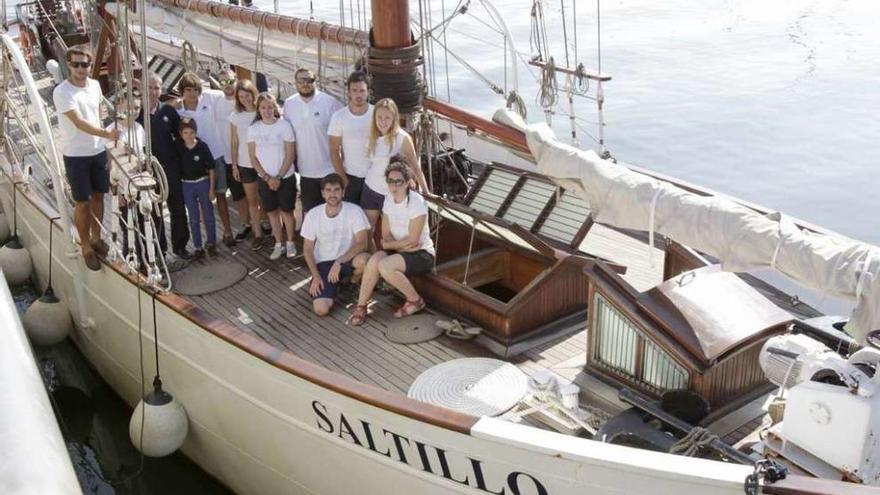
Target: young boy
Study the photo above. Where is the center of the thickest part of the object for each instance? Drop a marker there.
(197, 176)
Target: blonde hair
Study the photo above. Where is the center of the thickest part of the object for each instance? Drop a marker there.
(387, 104)
(245, 85)
(265, 96)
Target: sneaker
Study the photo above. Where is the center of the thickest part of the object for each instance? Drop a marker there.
(291, 250)
(258, 242)
(229, 240)
(198, 254)
(212, 249)
(277, 251)
(183, 254)
(243, 233)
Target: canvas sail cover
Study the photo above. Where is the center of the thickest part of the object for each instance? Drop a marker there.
(271, 50)
(741, 238)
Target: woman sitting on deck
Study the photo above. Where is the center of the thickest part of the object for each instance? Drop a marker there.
(407, 249)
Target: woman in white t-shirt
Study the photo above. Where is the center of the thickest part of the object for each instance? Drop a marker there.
(407, 249)
(386, 139)
(271, 149)
(240, 121)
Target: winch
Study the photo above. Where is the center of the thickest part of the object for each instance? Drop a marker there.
(831, 408)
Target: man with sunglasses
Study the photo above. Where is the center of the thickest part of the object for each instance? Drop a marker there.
(78, 103)
(309, 112)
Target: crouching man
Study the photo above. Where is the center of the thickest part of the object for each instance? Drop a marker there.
(334, 243)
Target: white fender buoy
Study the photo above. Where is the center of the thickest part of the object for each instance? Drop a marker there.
(47, 321)
(165, 424)
(15, 262)
(4, 228)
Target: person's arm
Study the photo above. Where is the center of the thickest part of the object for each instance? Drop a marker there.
(316, 285)
(360, 245)
(209, 164)
(387, 239)
(413, 239)
(233, 145)
(289, 154)
(337, 159)
(252, 151)
(409, 152)
(84, 126)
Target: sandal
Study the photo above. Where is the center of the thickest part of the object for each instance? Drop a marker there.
(357, 316)
(410, 308)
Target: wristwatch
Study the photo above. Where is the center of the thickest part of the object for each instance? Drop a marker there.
(278, 177)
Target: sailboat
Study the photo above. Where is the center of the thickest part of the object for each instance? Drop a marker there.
(594, 368)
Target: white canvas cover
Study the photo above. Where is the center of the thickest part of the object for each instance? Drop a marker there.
(741, 238)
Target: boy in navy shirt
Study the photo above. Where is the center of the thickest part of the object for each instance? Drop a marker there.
(197, 178)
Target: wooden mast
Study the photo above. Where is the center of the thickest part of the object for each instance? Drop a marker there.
(395, 59)
(391, 28)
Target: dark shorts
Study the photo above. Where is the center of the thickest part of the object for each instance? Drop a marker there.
(416, 262)
(371, 200)
(354, 189)
(87, 175)
(329, 290)
(247, 175)
(310, 193)
(284, 198)
(235, 187)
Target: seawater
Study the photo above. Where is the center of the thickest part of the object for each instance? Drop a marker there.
(94, 422)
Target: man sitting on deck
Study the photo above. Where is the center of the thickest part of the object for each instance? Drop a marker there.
(334, 243)
(78, 102)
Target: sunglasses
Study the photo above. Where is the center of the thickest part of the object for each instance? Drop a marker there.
(306, 80)
(395, 182)
(226, 82)
(80, 65)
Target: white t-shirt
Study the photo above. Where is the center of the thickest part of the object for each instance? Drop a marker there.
(87, 103)
(270, 139)
(205, 120)
(333, 236)
(222, 110)
(133, 136)
(379, 162)
(354, 131)
(399, 215)
(242, 122)
(310, 121)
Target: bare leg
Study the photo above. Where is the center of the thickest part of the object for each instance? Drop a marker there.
(83, 219)
(391, 268)
(275, 221)
(322, 306)
(96, 204)
(252, 199)
(289, 224)
(223, 210)
(373, 217)
(244, 217)
(370, 277)
(359, 263)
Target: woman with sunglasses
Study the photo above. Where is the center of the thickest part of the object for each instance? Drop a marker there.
(386, 139)
(407, 248)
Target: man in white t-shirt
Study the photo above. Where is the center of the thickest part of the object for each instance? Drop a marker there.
(222, 109)
(309, 113)
(334, 243)
(349, 132)
(78, 103)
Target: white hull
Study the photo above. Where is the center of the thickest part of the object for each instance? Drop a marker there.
(288, 426)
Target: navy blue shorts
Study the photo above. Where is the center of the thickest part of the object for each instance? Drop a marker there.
(371, 200)
(329, 291)
(283, 198)
(235, 186)
(87, 175)
(354, 189)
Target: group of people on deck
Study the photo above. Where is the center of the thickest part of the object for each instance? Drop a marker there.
(350, 165)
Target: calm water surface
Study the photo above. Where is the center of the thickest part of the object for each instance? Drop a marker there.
(773, 102)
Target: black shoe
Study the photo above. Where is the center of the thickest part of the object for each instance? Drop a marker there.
(211, 249)
(266, 228)
(257, 243)
(198, 254)
(229, 241)
(183, 254)
(244, 234)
